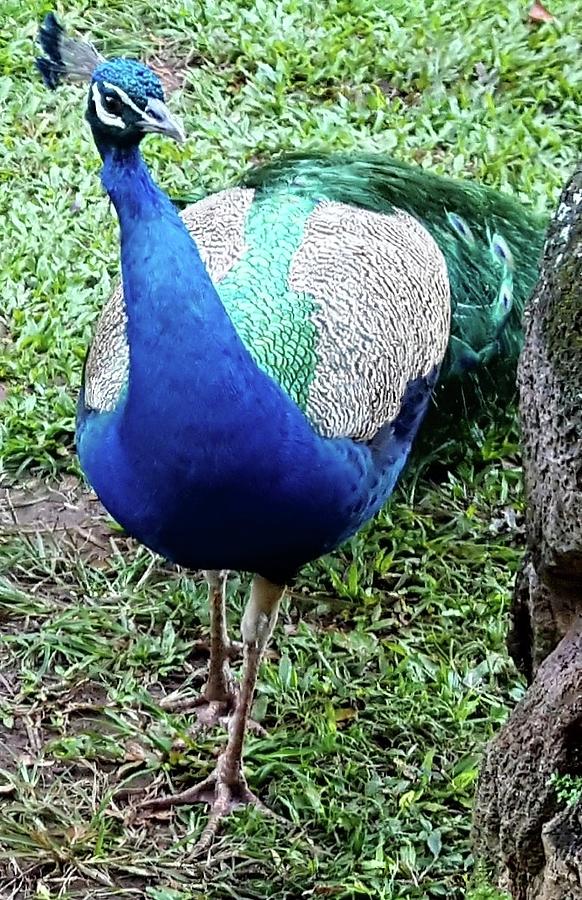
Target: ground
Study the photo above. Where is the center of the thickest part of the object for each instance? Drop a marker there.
(389, 670)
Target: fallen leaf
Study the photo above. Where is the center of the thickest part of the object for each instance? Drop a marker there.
(538, 13)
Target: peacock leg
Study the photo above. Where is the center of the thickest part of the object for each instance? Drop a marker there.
(218, 697)
(226, 787)
(218, 687)
(219, 646)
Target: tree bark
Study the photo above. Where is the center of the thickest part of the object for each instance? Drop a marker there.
(531, 837)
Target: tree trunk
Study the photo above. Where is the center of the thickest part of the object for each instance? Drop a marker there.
(533, 839)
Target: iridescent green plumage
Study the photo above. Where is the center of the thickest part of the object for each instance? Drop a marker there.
(273, 320)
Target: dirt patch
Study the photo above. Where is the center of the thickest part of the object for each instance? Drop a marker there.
(65, 514)
(14, 747)
(173, 68)
(22, 739)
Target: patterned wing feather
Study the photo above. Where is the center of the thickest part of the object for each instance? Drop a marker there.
(382, 313)
(491, 244)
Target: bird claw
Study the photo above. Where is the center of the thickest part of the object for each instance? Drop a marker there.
(223, 796)
(210, 713)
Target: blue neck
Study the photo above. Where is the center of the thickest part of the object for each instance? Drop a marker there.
(127, 180)
(184, 350)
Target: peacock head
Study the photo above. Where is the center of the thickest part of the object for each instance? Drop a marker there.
(126, 98)
(126, 101)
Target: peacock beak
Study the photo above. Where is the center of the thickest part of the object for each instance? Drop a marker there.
(158, 119)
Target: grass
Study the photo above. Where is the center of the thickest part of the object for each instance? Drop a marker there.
(390, 671)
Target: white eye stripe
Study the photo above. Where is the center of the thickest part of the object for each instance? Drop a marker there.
(102, 114)
(128, 101)
(123, 97)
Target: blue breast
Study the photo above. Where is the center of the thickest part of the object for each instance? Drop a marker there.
(266, 500)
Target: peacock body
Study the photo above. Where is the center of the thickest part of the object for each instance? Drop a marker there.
(311, 452)
(348, 281)
(254, 389)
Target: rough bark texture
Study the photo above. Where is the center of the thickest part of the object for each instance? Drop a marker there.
(520, 826)
(550, 379)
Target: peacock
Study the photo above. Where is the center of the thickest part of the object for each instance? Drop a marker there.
(255, 387)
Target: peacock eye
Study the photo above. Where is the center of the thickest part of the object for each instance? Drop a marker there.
(112, 104)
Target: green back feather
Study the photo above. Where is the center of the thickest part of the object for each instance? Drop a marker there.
(492, 246)
(274, 322)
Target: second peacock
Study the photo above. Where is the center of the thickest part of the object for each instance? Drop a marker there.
(255, 387)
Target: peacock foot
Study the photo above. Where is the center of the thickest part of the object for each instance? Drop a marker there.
(224, 790)
(208, 713)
